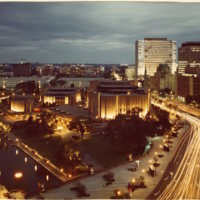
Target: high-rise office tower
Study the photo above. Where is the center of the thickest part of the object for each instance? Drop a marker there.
(188, 53)
(151, 52)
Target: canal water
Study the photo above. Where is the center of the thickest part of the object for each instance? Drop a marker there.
(12, 161)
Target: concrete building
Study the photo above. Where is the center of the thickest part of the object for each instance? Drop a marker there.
(188, 53)
(151, 52)
(21, 103)
(23, 69)
(110, 98)
(61, 96)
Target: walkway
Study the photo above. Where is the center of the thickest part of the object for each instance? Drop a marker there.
(63, 177)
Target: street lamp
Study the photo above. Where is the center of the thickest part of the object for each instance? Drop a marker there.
(61, 170)
(143, 171)
(133, 180)
(35, 167)
(69, 175)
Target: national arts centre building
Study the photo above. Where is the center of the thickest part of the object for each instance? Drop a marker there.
(106, 99)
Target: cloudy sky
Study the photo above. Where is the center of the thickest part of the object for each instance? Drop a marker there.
(90, 32)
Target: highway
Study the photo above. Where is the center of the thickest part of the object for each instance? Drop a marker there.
(182, 177)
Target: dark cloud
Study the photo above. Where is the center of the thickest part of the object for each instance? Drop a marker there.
(90, 32)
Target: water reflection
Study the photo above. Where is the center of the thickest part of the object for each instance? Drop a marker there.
(34, 177)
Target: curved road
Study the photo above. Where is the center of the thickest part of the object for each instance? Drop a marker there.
(182, 177)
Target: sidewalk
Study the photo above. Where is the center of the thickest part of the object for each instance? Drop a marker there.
(95, 184)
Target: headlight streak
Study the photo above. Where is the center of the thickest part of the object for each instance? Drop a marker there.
(186, 182)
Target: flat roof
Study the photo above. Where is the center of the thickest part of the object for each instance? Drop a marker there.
(191, 43)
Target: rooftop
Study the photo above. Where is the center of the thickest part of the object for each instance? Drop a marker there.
(191, 43)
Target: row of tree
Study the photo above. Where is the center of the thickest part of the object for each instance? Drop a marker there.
(44, 124)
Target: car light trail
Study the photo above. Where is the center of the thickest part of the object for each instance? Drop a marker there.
(185, 182)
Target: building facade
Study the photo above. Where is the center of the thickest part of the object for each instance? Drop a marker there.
(23, 69)
(110, 98)
(21, 103)
(188, 53)
(188, 83)
(163, 79)
(61, 96)
(151, 52)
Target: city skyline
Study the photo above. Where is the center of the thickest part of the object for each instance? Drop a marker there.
(99, 33)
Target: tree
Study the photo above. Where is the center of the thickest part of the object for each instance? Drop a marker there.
(4, 127)
(44, 125)
(53, 82)
(128, 130)
(81, 125)
(72, 85)
(68, 155)
(28, 87)
(162, 119)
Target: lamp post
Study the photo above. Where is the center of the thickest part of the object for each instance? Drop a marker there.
(143, 172)
(161, 147)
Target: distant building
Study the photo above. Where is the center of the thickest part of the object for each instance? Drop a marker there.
(22, 103)
(10, 83)
(47, 70)
(130, 73)
(23, 69)
(188, 53)
(79, 82)
(151, 52)
(110, 98)
(163, 79)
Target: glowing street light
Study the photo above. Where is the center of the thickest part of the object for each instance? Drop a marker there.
(118, 193)
(17, 152)
(35, 167)
(61, 170)
(25, 159)
(47, 177)
(143, 171)
(133, 180)
(69, 175)
(18, 175)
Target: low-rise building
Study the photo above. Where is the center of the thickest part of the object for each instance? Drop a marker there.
(22, 103)
(110, 98)
(61, 96)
